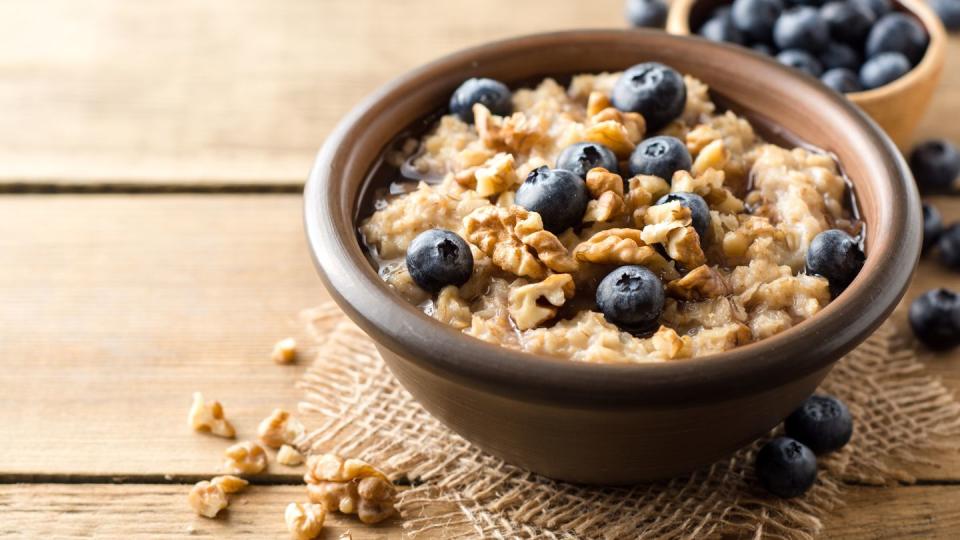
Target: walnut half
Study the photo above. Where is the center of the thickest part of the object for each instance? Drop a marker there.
(515, 241)
(208, 417)
(624, 246)
(532, 304)
(350, 486)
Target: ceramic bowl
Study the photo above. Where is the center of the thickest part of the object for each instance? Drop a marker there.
(612, 424)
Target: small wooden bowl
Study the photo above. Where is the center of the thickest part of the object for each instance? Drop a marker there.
(899, 106)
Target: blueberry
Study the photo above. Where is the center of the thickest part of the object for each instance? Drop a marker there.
(801, 28)
(660, 156)
(646, 13)
(835, 255)
(848, 22)
(763, 48)
(755, 18)
(897, 33)
(932, 225)
(494, 95)
(838, 55)
(653, 90)
(823, 423)
(699, 211)
(437, 258)
(948, 11)
(841, 80)
(720, 28)
(559, 196)
(631, 297)
(786, 467)
(814, 3)
(949, 246)
(883, 69)
(935, 319)
(801, 60)
(579, 158)
(878, 7)
(935, 164)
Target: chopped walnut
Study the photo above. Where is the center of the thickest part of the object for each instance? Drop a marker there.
(279, 428)
(607, 190)
(600, 180)
(245, 458)
(497, 175)
(670, 344)
(350, 486)
(304, 521)
(709, 185)
(670, 225)
(285, 351)
(713, 156)
(624, 246)
(450, 309)
(289, 456)
(632, 122)
(515, 241)
(700, 283)
(229, 483)
(208, 417)
(596, 102)
(644, 191)
(207, 499)
(535, 303)
(517, 132)
(611, 134)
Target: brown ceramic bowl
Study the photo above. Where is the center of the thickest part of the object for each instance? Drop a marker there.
(613, 424)
(899, 106)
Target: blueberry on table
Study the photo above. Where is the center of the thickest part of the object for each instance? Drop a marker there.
(935, 164)
(835, 255)
(822, 423)
(654, 90)
(559, 196)
(801, 60)
(631, 297)
(932, 225)
(948, 11)
(878, 7)
(755, 18)
(848, 22)
(437, 258)
(579, 158)
(949, 246)
(841, 80)
(492, 94)
(646, 13)
(786, 468)
(935, 319)
(897, 33)
(839, 55)
(720, 28)
(660, 156)
(883, 69)
(699, 210)
(801, 28)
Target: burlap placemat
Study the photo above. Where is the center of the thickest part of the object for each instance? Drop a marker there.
(360, 410)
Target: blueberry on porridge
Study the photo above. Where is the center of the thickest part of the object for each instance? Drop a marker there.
(510, 220)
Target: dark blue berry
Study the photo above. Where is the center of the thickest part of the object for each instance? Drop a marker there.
(631, 297)
(660, 156)
(935, 165)
(494, 95)
(848, 22)
(838, 55)
(949, 246)
(559, 196)
(935, 319)
(579, 158)
(720, 28)
(795, 3)
(437, 258)
(841, 80)
(823, 423)
(654, 90)
(932, 225)
(763, 48)
(883, 69)
(801, 28)
(801, 60)
(897, 33)
(646, 13)
(948, 11)
(755, 18)
(699, 210)
(786, 468)
(835, 255)
(879, 8)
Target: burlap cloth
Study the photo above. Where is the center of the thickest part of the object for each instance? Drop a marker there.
(358, 409)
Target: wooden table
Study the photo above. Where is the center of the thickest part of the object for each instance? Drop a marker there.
(150, 244)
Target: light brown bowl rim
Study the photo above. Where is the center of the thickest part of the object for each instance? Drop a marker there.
(409, 333)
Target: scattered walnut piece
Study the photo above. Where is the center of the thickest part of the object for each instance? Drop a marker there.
(517, 133)
(279, 428)
(670, 344)
(607, 190)
(597, 102)
(207, 499)
(632, 122)
(670, 225)
(713, 156)
(709, 185)
(229, 483)
(285, 351)
(498, 174)
(526, 307)
(450, 309)
(350, 486)
(289, 456)
(304, 521)
(208, 417)
(600, 180)
(245, 458)
(624, 246)
(515, 241)
(700, 283)
(611, 134)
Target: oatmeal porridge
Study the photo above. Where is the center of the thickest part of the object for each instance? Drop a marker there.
(620, 219)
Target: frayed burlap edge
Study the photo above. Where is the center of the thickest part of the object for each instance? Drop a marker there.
(358, 409)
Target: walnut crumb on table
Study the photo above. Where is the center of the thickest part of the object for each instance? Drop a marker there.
(284, 351)
(208, 417)
(289, 456)
(245, 458)
(350, 486)
(279, 428)
(304, 521)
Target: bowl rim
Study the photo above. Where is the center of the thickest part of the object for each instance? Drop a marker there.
(405, 331)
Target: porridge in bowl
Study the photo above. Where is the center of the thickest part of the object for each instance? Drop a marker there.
(620, 219)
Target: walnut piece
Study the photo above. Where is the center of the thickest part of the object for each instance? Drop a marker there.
(229, 483)
(517, 133)
(450, 309)
(670, 225)
(279, 428)
(289, 456)
(607, 190)
(497, 175)
(245, 458)
(700, 283)
(285, 351)
(611, 134)
(624, 246)
(207, 417)
(350, 486)
(304, 521)
(207, 499)
(535, 303)
(515, 241)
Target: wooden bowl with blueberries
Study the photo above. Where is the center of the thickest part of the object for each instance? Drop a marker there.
(885, 56)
